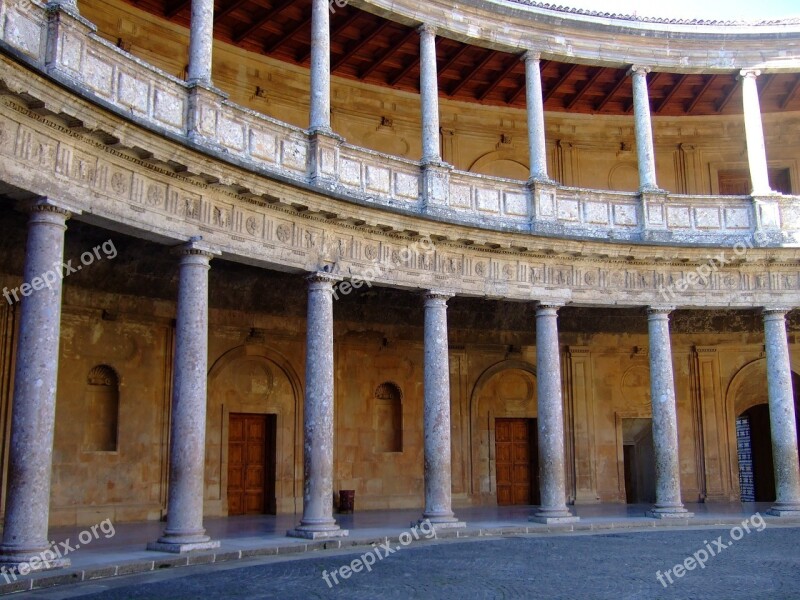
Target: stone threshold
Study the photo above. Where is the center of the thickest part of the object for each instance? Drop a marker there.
(159, 562)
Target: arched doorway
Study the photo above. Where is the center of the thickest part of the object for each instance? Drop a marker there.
(505, 463)
(753, 432)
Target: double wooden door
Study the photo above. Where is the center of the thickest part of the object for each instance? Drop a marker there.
(251, 464)
(517, 461)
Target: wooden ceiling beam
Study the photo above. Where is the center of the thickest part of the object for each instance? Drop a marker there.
(357, 46)
(173, 8)
(393, 47)
(620, 82)
(228, 9)
(456, 55)
(727, 97)
(709, 82)
(561, 80)
(792, 93)
(589, 83)
(288, 35)
(515, 60)
(412, 64)
(256, 24)
(474, 71)
(675, 87)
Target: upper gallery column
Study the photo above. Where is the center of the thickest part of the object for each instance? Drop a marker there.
(438, 473)
(187, 443)
(644, 129)
(320, 111)
(665, 421)
(550, 419)
(782, 415)
(754, 132)
(317, 520)
(34, 401)
(201, 41)
(535, 103)
(429, 95)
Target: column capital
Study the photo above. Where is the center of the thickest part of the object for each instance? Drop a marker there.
(531, 55)
(749, 74)
(659, 310)
(426, 28)
(775, 312)
(197, 247)
(436, 296)
(321, 280)
(48, 205)
(549, 306)
(639, 70)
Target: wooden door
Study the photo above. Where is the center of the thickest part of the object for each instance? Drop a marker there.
(251, 464)
(516, 461)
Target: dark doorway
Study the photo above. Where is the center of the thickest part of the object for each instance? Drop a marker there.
(736, 182)
(517, 461)
(639, 461)
(251, 464)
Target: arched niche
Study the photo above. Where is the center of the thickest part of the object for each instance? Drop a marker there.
(388, 418)
(501, 163)
(101, 421)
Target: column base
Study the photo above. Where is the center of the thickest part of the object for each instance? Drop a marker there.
(452, 523)
(27, 563)
(311, 532)
(669, 512)
(181, 547)
(553, 517)
(788, 509)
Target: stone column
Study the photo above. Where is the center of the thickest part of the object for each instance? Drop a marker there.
(550, 420)
(665, 421)
(320, 117)
(33, 410)
(644, 129)
(318, 521)
(782, 415)
(187, 443)
(201, 41)
(438, 469)
(535, 102)
(429, 95)
(754, 132)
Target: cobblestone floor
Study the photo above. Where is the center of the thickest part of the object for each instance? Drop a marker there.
(762, 564)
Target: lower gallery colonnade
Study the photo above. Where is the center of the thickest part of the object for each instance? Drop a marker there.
(34, 399)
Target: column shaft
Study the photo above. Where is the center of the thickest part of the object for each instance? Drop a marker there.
(429, 96)
(320, 113)
(550, 420)
(754, 132)
(535, 101)
(782, 416)
(201, 41)
(644, 129)
(438, 468)
(665, 422)
(187, 446)
(34, 401)
(318, 521)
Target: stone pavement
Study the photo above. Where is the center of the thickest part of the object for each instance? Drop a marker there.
(501, 555)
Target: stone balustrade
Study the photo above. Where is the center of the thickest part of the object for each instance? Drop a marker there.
(95, 69)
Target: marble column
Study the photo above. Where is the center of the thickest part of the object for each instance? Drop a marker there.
(550, 420)
(33, 409)
(782, 415)
(645, 153)
(320, 117)
(535, 102)
(201, 41)
(317, 521)
(438, 468)
(665, 421)
(187, 444)
(429, 95)
(754, 133)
